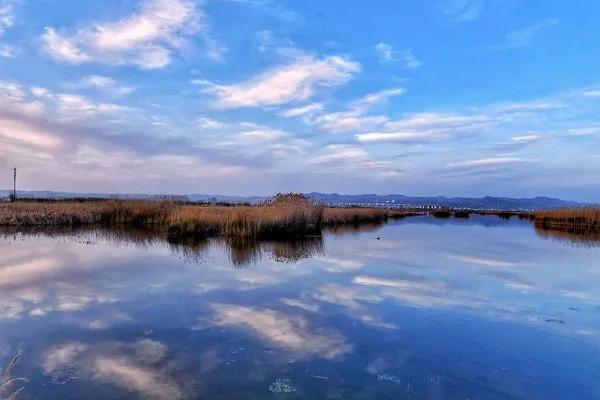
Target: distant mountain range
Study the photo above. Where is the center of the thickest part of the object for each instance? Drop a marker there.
(488, 202)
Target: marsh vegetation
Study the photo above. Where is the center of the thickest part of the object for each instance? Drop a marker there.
(284, 215)
(574, 220)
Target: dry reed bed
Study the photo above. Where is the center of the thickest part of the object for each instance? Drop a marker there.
(577, 220)
(288, 214)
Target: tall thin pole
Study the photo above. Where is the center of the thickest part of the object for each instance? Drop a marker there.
(15, 185)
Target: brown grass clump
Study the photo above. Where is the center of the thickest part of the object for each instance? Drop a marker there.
(84, 213)
(336, 216)
(286, 214)
(575, 220)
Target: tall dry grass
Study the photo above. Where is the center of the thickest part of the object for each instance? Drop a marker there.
(288, 214)
(284, 215)
(576, 220)
(84, 213)
(9, 385)
(334, 216)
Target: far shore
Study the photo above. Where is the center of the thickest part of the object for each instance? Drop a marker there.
(286, 215)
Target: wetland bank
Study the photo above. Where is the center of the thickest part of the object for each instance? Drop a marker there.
(420, 307)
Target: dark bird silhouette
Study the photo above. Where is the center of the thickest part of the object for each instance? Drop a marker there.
(378, 238)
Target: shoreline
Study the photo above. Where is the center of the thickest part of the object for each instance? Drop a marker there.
(287, 215)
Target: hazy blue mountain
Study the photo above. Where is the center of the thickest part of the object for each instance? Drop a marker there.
(488, 202)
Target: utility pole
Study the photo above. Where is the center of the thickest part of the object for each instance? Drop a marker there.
(15, 185)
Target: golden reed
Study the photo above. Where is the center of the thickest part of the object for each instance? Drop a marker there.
(286, 214)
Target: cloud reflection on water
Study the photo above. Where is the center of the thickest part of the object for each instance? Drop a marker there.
(340, 299)
(292, 333)
(137, 367)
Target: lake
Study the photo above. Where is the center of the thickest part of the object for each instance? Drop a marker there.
(423, 308)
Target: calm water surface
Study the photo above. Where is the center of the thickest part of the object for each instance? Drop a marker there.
(437, 309)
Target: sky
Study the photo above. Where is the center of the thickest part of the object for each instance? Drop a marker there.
(254, 97)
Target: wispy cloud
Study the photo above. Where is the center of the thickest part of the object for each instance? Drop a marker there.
(592, 93)
(293, 334)
(138, 367)
(145, 39)
(483, 261)
(424, 127)
(308, 109)
(461, 11)
(7, 15)
(487, 162)
(295, 81)
(273, 7)
(524, 37)
(387, 54)
(7, 20)
(354, 117)
(340, 158)
(102, 83)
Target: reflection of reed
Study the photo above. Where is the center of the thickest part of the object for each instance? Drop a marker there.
(570, 237)
(243, 252)
(295, 250)
(190, 249)
(139, 237)
(354, 228)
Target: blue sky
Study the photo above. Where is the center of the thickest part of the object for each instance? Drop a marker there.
(455, 97)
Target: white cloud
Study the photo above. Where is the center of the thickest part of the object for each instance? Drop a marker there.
(426, 127)
(347, 121)
(524, 37)
(285, 331)
(410, 61)
(215, 50)
(591, 93)
(526, 138)
(367, 102)
(145, 39)
(7, 15)
(269, 41)
(491, 162)
(62, 48)
(212, 124)
(260, 135)
(14, 100)
(400, 136)
(295, 81)
(355, 117)
(463, 10)
(131, 366)
(341, 158)
(400, 284)
(484, 261)
(7, 51)
(102, 83)
(240, 133)
(75, 107)
(7, 20)
(308, 109)
(387, 54)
